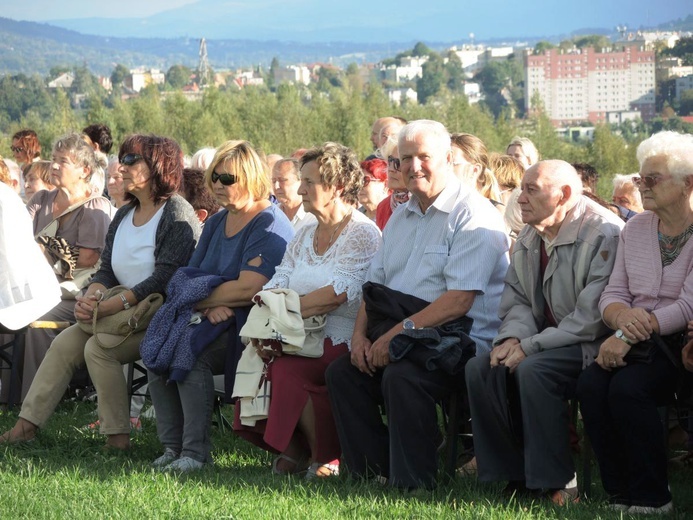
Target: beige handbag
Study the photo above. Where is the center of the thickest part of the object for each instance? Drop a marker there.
(124, 323)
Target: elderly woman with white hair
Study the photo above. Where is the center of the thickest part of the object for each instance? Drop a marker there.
(648, 303)
(626, 194)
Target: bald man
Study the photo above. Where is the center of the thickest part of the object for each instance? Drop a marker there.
(551, 330)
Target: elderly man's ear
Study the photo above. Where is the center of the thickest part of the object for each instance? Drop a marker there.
(566, 193)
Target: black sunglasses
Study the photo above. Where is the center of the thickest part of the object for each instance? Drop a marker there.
(394, 163)
(17, 149)
(130, 159)
(226, 179)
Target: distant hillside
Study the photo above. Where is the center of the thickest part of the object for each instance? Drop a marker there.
(29, 47)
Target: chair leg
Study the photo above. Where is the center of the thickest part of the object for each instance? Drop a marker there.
(15, 391)
(452, 432)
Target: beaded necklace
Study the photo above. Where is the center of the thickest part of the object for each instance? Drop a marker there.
(670, 247)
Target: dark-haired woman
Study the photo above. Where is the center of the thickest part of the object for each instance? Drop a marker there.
(149, 238)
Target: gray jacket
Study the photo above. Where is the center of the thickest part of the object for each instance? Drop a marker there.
(176, 236)
(577, 272)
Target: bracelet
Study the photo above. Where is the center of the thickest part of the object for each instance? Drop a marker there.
(126, 304)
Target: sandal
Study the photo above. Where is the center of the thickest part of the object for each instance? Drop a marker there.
(683, 461)
(299, 465)
(317, 470)
(468, 469)
(20, 433)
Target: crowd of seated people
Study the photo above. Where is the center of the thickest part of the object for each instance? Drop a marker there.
(432, 267)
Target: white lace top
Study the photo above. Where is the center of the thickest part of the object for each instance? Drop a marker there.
(343, 266)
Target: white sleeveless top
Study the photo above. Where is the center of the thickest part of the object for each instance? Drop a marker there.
(132, 256)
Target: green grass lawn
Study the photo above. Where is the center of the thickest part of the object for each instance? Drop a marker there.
(65, 474)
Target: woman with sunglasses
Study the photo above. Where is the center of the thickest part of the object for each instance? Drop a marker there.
(375, 188)
(395, 183)
(149, 238)
(26, 147)
(326, 264)
(650, 292)
(238, 251)
(73, 220)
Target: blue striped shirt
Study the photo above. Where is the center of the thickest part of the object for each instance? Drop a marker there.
(459, 243)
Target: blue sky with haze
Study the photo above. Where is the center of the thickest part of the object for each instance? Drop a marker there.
(357, 20)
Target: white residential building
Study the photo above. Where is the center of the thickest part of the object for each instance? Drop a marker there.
(292, 74)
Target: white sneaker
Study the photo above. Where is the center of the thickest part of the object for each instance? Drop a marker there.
(649, 510)
(166, 459)
(184, 465)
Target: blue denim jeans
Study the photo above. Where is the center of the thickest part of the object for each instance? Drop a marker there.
(184, 409)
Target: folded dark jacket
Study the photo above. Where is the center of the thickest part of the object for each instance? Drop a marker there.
(386, 307)
(447, 347)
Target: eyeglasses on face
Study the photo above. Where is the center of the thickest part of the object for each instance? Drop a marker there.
(17, 149)
(130, 159)
(649, 181)
(367, 179)
(226, 179)
(393, 162)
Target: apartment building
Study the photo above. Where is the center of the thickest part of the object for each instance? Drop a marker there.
(585, 85)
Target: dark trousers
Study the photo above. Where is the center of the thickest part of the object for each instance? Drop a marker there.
(619, 409)
(405, 451)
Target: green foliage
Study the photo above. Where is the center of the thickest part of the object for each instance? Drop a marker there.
(686, 103)
(683, 49)
(543, 46)
(120, 72)
(432, 80)
(178, 76)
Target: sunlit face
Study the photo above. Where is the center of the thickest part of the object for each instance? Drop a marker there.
(539, 199)
(515, 151)
(234, 197)
(19, 152)
(626, 197)
(667, 190)
(285, 184)
(316, 197)
(425, 165)
(373, 192)
(375, 133)
(65, 173)
(136, 177)
(394, 176)
(115, 183)
(33, 183)
(466, 172)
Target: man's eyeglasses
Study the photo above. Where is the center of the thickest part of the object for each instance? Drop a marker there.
(393, 162)
(648, 181)
(226, 179)
(17, 149)
(130, 159)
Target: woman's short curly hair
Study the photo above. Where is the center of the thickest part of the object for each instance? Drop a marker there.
(163, 157)
(339, 168)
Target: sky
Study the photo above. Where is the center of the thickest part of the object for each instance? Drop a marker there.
(348, 20)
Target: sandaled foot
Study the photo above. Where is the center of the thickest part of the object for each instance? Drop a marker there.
(285, 465)
(468, 469)
(119, 441)
(23, 431)
(683, 461)
(317, 470)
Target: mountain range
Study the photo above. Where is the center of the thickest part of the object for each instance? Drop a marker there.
(30, 47)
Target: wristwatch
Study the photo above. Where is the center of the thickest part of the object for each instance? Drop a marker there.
(408, 324)
(126, 304)
(619, 335)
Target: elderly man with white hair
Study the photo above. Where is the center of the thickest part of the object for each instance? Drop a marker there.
(551, 329)
(442, 263)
